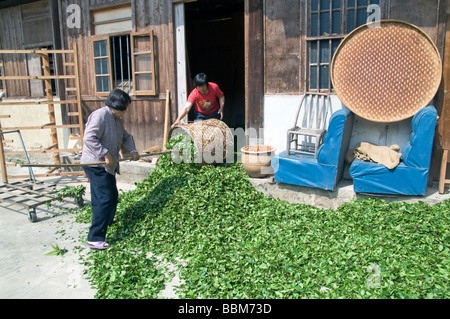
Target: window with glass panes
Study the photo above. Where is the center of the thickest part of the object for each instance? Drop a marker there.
(329, 21)
(122, 59)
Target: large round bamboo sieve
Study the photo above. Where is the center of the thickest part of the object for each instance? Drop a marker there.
(386, 72)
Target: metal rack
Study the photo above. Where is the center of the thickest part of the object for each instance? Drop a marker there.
(27, 193)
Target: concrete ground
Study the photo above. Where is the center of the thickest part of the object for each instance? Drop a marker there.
(26, 272)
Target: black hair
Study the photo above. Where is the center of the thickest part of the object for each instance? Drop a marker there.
(118, 100)
(200, 79)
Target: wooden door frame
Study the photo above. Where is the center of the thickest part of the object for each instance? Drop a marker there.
(254, 60)
(254, 63)
(443, 139)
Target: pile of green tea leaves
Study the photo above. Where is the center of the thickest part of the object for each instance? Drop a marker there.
(237, 243)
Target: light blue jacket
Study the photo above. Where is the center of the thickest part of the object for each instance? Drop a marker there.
(105, 134)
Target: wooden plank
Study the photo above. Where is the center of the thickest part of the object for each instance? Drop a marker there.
(166, 119)
(12, 38)
(442, 177)
(34, 67)
(6, 196)
(36, 77)
(37, 102)
(443, 130)
(36, 24)
(78, 92)
(180, 58)
(48, 175)
(444, 120)
(2, 159)
(254, 63)
(35, 192)
(282, 47)
(67, 150)
(40, 127)
(51, 108)
(34, 51)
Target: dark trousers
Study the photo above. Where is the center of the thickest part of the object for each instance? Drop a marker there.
(104, 197)
(201, 117)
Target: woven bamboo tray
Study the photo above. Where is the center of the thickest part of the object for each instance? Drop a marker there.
(386, 73)
(209, 136)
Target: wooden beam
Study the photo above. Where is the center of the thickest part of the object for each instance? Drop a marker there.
(78, 92)
(34, 51)
(2, 160)
(46, 126)
(68, 150)
(254, 63)
(180, 58)
(36, 77)
(37, 102)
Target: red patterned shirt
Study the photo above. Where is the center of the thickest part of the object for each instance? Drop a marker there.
(206, 104)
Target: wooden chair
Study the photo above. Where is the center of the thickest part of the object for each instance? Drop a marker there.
(309, 127)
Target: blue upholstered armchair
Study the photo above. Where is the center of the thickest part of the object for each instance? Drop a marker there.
(410, 176)
(325, 171)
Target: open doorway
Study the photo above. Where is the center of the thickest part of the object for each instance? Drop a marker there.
(215, 45)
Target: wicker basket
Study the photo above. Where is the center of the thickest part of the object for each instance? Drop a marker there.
(213, 140)
(386, 73)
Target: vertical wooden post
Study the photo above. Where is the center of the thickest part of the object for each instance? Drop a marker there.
(51, 107)
(77, 86)
(2, 158)
(166, 119)
(254, 64)
(442, 177)
(444, 116)
(180, 42)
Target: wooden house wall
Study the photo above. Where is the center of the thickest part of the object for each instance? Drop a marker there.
(11, 38)
(285, 44)
(282, 45)
(283, 49)
(145, 116)
(29, 26)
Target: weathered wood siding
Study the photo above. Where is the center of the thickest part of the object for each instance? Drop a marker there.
(145, 116)
(283, 47)
(11, 38)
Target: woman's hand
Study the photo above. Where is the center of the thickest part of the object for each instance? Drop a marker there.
(135, 156)
(109, 160)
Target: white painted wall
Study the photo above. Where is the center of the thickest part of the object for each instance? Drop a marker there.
(32, 115)
(280, 112)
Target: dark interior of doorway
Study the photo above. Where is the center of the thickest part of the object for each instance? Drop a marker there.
(215, 45)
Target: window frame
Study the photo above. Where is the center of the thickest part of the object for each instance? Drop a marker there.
(93, 11)
(330, 37)
(135, 72)
(94, 58)
(132, 55)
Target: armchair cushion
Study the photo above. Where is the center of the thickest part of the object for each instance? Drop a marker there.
(410, 176)
(325, 171)
(417, 152)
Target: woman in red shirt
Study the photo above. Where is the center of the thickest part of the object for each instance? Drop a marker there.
(207, 98)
